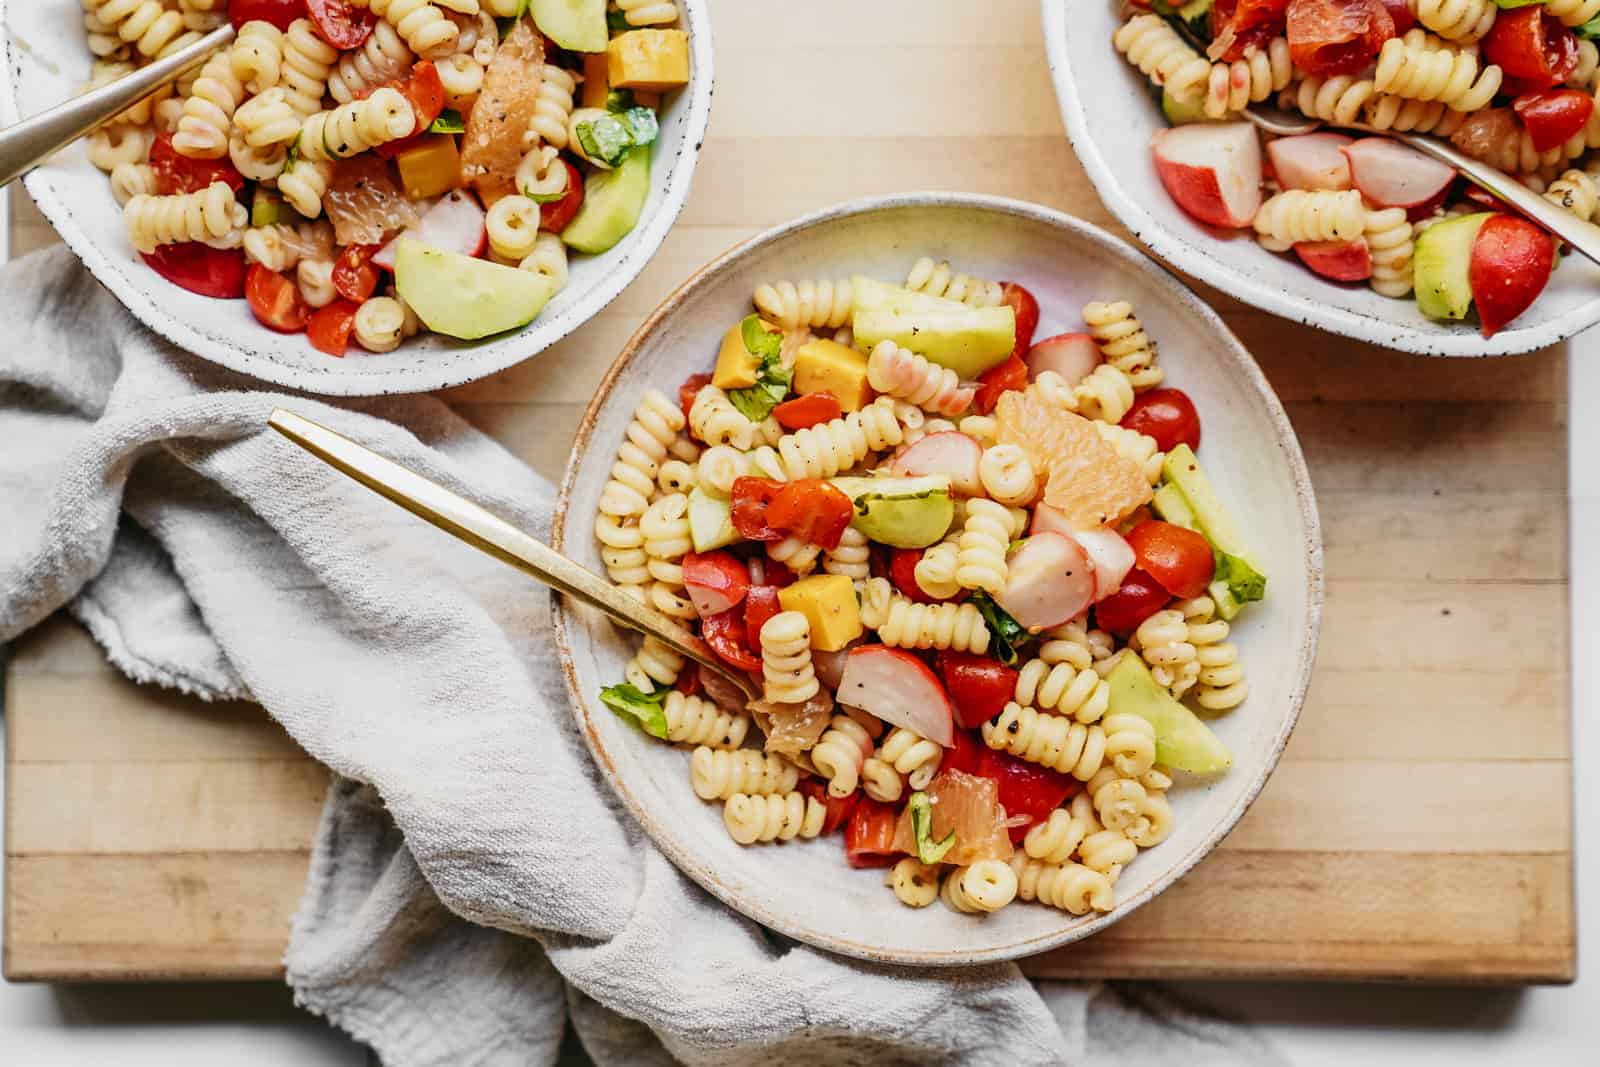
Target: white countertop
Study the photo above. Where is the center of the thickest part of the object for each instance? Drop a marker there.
(257, 1025)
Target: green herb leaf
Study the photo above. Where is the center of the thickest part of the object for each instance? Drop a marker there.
(294, 154)
(1589, 30)
(928, 850)
(647, 710)
(1243, 581)
(642, 125)
(448, 122)
(1007, 632)
(619, 100)
(772, 379)
(1511, 5)
(617, 21)
(758, 340)
(605, 139)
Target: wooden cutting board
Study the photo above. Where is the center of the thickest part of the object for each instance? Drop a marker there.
(1420, 825)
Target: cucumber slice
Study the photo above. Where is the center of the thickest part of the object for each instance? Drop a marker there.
(266, 208)
(612, 203)
(900, 512)
(1440, 263)
(576, 25)
(463, 297)
(1182, 739)
(967, 340)
(710, 521)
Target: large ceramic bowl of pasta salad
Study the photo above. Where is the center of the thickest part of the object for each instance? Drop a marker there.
(1349, 232)
(1031, 602)
(359, 197)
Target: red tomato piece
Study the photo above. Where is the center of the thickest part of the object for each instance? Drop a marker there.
(1168, 415)
(1007, 377)
(725, 634)
(1551, 117)
(276, 300)
(903, 573)
(1179, 559)
(1531, 47)
(555, 215)
(354, 276)
(869, 838)
(751, 499)
(1027, 311)
(760, 604)
(281, 13)
(690, 389)
(808, 410)
(688, 682)
(811, 510)
(1400, 11)
(426, 93)
(199, 268)
(177, 173)
(778, 575)
(965, 755)
(839, 809)
(979, 687)
(1246, 23)
(1511, 263)
(329, 328)
(1025, 788)
(1333, 37)
(340, 24)
(715, 581)
(1139, 597)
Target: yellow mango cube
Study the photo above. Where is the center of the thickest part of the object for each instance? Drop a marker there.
(431, 168)
(652, 60)
(597, 84)
(828, 366)
(828, 601)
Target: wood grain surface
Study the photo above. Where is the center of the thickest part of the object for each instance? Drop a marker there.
(1420, 825)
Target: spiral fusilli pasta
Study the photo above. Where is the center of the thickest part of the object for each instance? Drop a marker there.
(955, 626)
(1339, 99)
(1466, 21)
(257, 55)
(825, 450)
(900, 373)
(1068, 887)
(280, 247)
(665, 526)
(512, 225)
(877, 601)
(622, 552)
(1078, 692)
(1135, 447)
(211, 215)
(1571, 12)
(1576, 191)
(655, 425)
(1259, 73)
(764, 818)
(696, 721)
(985, 539)
(129, 180)
(307, 65)
(379, 324)
(384, 57)
(915, 884)
(1122, 340)
(654, 664)
(145, 24)
(1162, 641)
(1157, 50)
(208, 110)
(111, 147)
(937, 279)
(1411, 67)
(852, 557)
(1221, 680)
(786, 659)
(808, 303)
(912, 755)
(355, 127)
(985, 886)
(552, 108)
(549, 260)
(935, 572)
(1386, 112)
(1105, 394)
(840, 753)
(718, 773)
(1297, 215)
(648, 12)
(1049, 740)
(714, 420)
(1008, 476)
(424, 27)
(1389, 241)
(1056, 838)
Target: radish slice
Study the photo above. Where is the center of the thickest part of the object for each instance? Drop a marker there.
(1111, 557)
(1392, 175)
(1212, 170)
(715, 581)
(947, 452)
(1311, 161)
(1049, 580)
(898, 688)
(1047, 519)
(1343, 261)
(1074, 356)
(453, 224)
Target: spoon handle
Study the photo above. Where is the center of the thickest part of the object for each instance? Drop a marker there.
(30, 142)
(487, 532)
(1582, 236)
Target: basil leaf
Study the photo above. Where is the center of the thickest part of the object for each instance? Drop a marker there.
(605, 139)
(772, 379)
(448, 122)
(642, 125)
(1007, 632)
(758, 340)
(647, 710)
(1589, 30)
(617, 21)
(619, 100)
(1245, 582)
(294, 154)
(928, 850)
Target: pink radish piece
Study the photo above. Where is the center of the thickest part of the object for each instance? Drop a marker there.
(947, 452)
(1343, 261)
(1074, 356)
(1311, 161)
(1049, 580)
(1212, 170)
(1047, 519)
(898, 688)
(715, 581)
(1392, 175)
(1111, 557)
(453, 224)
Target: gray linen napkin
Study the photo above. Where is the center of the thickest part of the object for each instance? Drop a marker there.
(473, 886)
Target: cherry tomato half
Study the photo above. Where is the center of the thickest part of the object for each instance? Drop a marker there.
(1551, 117)
(690, 389)
(903, 573)
(276, 300)
(725, 634)
(177, 173)
(341, 24)
(1179, 560)
(965, 753)
(426, 93)
(281, 13)
(979, 687)
(1025, 788)
(1027, 309)
(869, 838)
(1328, 38)
(557, 214)
(1532, 47)
(760, 604)
(1168, 415)
(751, 498)
(199, 268)
(354, 276)
(839, 809)
(808, 410)
(688, 682)
(1139, 597)
(1008, 376)
(812, 510)
(329, 328)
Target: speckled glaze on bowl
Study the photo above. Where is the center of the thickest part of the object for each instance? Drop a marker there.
(1111, 114)
(806, 890)
(47, 61)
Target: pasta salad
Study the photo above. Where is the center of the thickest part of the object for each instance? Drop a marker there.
(984, 584)
(1510, 82)
(365, 169)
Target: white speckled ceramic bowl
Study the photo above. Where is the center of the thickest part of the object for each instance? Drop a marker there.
(1110, 116)
(805, 889)
(47, 61)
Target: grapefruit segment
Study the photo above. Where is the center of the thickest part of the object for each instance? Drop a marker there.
(1089, 484)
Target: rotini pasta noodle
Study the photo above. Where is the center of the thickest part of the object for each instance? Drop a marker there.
(1078, 692)
(113, 146)
(552, 109)
(1049, 740)
(1157, 50)
(257, 55)
(208, 110)
(303, 184)
(912, 755)
(549, 259)
(935, 572)
(880, 781)
(937, 279)
(1135, 447)
(315, 280)
(656, 422)
(129, 180)
(904, 375)
(1389, 241)
(622, 552)
(665, 525)
(145, 24)
(379, 324)
(981, 428)
(461, 76)
(1571, 12)
(1008, 476)
(714, 420)
(1130, 746)
(1162, 641)
(851, 558)
(696, 721)
(825, 450)
(954, 626)
(750, 819)
(1074, 643)
(648, 12)
(1338, 99)
(1117, 800)
(915, 884)
(676, 476)
(267, 120)
(1105, 394)
(1259, 73)
(878, 600)
(1466, 21)
(1107, 851)
(355, 127)
(718, 773)
(985, 886)
(211, 215)
(786, 661)
(1221, 681)
(1297, 215)
(384, 57)
(841, 751)
(1057, 838)
(1576, 191)
(722, 465)
(1068, 887)
(102, 35)
(512, 225)
(424, 27)
(809, 303)
(280, 247)
(985, 538)
(103, 72)
(1122, 340)
(1411, 68)
(654, 664)
(1385, 112)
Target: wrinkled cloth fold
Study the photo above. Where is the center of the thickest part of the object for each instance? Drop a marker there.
(474, 886)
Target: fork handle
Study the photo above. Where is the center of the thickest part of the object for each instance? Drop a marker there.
(32, 141)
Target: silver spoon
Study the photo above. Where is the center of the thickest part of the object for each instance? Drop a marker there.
(30, 142)
(1582, 236)
(487, 532)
